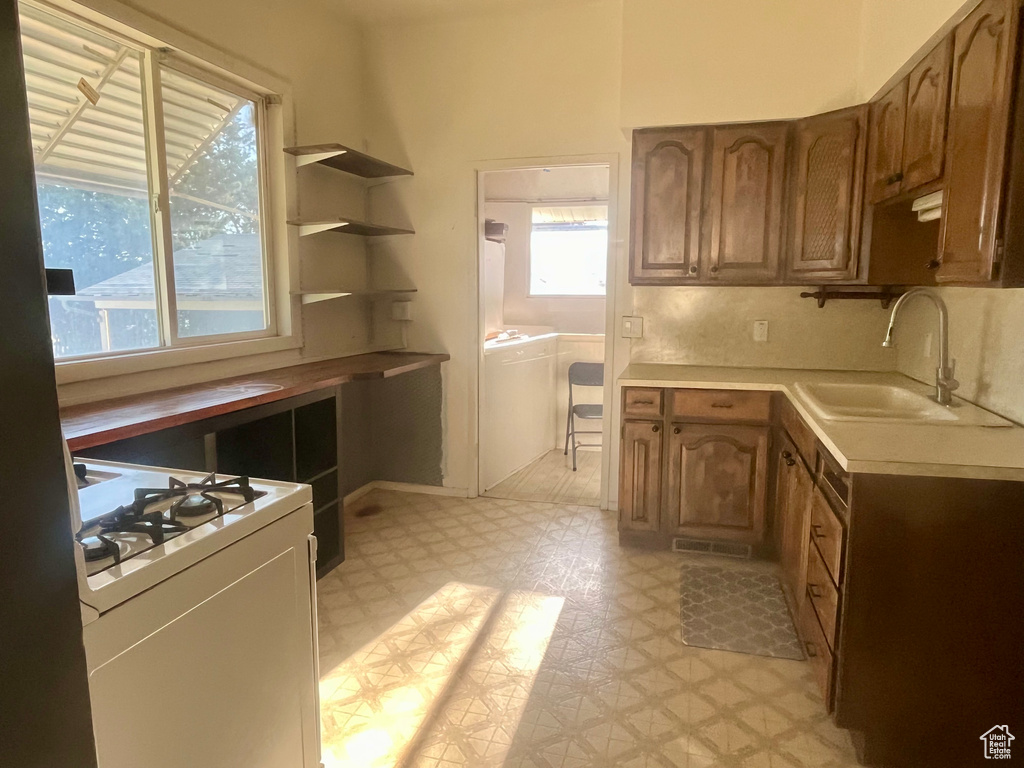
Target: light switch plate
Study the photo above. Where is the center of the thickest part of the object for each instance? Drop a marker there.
(632, 327)
(760, 330)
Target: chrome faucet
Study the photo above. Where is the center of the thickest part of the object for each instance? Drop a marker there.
(944, 381)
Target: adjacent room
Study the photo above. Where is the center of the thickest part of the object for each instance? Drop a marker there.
(511, 383)
(544, 275)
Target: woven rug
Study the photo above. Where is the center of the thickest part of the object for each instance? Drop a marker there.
(736, 608)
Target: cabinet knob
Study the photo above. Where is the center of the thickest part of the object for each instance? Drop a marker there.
(714, 268)
(693, 269)
(812, 652)
(813, 590)
(816, 532)
(655, 428)
(676, 430)
(896, 178)
(933, 264)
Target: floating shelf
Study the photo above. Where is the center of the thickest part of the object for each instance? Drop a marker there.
(312, 297)
(345, 159)
(347, 227)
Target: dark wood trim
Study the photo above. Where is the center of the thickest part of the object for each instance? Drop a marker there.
(108, 421)
(44, 690)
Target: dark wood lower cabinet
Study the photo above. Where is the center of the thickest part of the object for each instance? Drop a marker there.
(907, 592)
(716, 481)
(640, 477)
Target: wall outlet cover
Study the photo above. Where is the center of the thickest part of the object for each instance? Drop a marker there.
(632, 327)
(760, 330)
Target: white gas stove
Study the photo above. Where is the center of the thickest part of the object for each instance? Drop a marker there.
(170, 562)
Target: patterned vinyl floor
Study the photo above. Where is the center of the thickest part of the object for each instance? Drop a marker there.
(491, 632)
(550, 478)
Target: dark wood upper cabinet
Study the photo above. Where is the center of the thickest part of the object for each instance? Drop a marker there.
(716, 481)
(668, 191)
(640, 476)
(976, 154)
(828, 196)
(924, 142)
(887, 120)
(748, 166)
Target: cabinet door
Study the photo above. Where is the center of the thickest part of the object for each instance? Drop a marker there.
(885, 150)
(795, 514)
(640, 476)
(977, 140)
(716, 481)
(668, 187)
(924, 143)
(748, 165)
(828, 197)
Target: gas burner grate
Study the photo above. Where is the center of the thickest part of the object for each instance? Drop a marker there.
(194, 499)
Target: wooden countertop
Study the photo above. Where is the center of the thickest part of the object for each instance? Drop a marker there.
(105, 421)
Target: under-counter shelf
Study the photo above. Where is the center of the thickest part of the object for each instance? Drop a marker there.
(312, 297)
(345, 159)
(347, 227)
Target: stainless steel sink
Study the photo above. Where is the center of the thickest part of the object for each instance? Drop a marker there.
(886, 402)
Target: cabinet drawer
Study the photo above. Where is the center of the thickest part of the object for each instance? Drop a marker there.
(817, 651)
(827, 534)
(800, 433)
(822, 594)
(642, 402)
(721, 405)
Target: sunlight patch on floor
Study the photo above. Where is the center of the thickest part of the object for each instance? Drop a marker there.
(382, 701)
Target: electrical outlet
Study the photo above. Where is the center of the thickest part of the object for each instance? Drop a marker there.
(632, 327)
(401, 310)
(760, 330)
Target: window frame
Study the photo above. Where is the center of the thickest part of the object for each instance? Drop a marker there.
(529, 262)
(162, 46)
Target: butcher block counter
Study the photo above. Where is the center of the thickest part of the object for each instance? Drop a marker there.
(107, 421)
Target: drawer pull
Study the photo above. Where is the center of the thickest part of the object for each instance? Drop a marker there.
(721, 405)
(813, 590)
(896, 178)
(643, 402)
(812, 652)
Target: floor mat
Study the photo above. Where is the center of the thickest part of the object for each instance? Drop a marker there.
(736, 608)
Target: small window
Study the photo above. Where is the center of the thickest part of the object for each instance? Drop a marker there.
(99, 152)
(569, 251)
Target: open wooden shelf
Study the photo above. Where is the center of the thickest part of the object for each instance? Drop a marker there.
(345, 159)
(347, 227)
(312, 297)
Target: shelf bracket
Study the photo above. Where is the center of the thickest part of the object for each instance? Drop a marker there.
(323, 226)
(301, 160)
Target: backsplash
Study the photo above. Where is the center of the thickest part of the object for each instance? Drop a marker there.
(986, 338)
(714, 326)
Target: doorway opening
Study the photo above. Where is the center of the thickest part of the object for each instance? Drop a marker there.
(543, 293)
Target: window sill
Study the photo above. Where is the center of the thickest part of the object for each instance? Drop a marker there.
(154, 359)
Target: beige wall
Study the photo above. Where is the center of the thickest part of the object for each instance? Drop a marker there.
(693, 61)
(455, 96)
(320, 55)
(714, 326)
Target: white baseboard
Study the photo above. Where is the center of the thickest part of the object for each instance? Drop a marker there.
(387, 485)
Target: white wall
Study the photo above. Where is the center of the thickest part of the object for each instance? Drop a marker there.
(694, 61)
(454, 96)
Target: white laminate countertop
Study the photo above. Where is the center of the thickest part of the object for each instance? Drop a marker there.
(891, 448)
